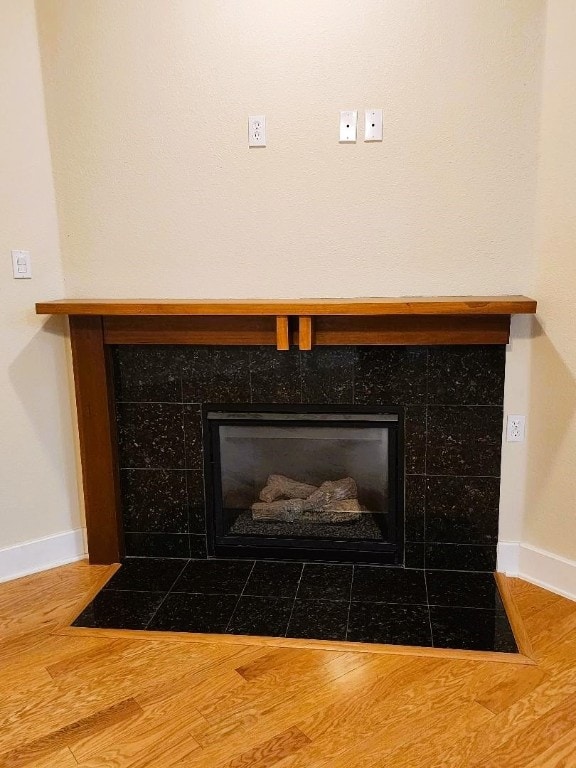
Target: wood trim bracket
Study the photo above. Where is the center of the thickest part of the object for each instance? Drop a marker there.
(282, 333)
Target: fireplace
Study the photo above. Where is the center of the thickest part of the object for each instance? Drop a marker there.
(304, 482)
(144, 369)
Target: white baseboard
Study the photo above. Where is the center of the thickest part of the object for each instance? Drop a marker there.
(552, 572)
(41, 554)
(508, 561)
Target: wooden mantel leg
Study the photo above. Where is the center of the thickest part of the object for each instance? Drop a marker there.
(97, 430)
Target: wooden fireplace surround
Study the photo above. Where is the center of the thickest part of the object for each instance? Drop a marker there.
(95, 324)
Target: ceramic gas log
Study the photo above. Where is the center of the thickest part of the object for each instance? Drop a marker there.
(287, 500)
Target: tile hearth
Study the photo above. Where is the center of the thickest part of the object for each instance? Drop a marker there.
(364, 603)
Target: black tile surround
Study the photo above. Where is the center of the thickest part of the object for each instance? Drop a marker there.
(453, 398)
(371, 604)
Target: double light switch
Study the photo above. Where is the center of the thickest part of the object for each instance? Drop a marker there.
(21, 264)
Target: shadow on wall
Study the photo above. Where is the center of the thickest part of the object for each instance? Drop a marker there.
(551, 482)
(39, 378)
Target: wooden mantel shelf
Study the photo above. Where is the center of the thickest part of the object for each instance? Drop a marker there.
(425, 305)
(302, 322)
(96, 324)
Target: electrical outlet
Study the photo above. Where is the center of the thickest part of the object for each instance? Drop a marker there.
(257, 131)
(515, 429)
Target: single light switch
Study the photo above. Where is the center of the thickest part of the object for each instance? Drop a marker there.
(21, 264)
(348, 123)
(373, 125)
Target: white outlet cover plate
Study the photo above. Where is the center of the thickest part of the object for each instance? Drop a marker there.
(257, 131)
(373, 125)
(21, 265)
(515, 428)
(348, 124)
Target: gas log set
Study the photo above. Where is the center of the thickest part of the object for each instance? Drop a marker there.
(288, 500)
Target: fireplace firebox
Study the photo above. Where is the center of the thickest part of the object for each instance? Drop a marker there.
(299, 482)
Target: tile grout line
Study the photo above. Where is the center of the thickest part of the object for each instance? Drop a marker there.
(167, 594)
(294, 601)
(240, 597)
(185, 468)
(354, 366)
(350, 603)
(411, 404)
(408, 474)
(428, 607)
(250, 362)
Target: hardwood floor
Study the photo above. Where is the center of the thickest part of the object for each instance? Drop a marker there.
(88, 698)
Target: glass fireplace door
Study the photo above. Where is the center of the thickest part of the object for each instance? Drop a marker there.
(298, 480)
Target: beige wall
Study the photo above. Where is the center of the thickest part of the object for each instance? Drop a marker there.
(38, 494)
(159, 194)
(551, 510)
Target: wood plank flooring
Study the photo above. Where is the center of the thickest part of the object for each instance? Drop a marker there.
(95, 699)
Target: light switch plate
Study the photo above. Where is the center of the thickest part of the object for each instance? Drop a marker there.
(348, 123)
(21, 265)
(373, 125)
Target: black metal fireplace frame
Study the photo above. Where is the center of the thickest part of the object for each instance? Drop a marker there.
(285, 548)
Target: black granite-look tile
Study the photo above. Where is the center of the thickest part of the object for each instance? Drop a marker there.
(466, 375)
(214, 576)
(146, 373)
(269, 579)
(463, 589)
(266, 616)
(194, 613)
(504, 640)
(464, 440)
(413, 554)
(396, 624)
(146, 575)
(319, 620)
(498, 604)
(154, 500)
(374, 584)
(196, 504)
(193, 436)
(150, 435)
(198, 547)
(462, 509)
(460, 557)
(120, 610)
(415, 439)
(415, 501)
(145, 544)
(468, 628)
(328, 375)
(215, 374)
(390, 375)
(275, 375)
(325, 582)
